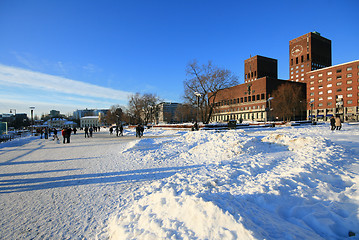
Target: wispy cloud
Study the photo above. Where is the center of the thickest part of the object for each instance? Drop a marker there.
(25, 78)
(18, 86)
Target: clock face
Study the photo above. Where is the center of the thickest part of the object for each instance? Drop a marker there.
(296, 50)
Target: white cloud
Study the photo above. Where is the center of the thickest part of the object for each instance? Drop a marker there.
(12, 76)
(20, 88)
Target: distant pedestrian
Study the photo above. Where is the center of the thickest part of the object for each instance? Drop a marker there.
(68, 134)
(138, 131)
(332, 123)
(338, 123)
(63, 133)
(55, 135)
(86, 132)
(46, 133)
(74, 130)
(117, 130)
(90, 131)
(121, 130)
(111, 130)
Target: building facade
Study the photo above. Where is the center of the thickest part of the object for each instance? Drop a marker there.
(334, 91)
(247, 102)
(90, 121)
(166, 112)
(330, 90)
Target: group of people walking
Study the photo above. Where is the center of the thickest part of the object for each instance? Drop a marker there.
(118, 130)
(139, 130)
(335, 123)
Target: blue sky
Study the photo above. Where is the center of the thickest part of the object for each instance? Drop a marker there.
(68, 55)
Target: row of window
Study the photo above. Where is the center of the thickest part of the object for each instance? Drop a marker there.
(240, 109)
(240, 100)
(243, 116)
(338, 84)
(331, 104)
(331, 91)
(251, 74)
(297, 59)
(337, 71)
(330, 79)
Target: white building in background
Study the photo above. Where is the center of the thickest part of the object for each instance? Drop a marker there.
(166, 112)
(59, 123)
(90, 121)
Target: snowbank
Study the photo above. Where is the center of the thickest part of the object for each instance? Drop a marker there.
(280, 184)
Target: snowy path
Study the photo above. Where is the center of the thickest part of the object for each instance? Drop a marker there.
(67, 191)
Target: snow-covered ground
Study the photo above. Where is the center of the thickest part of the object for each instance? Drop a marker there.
(267, 183)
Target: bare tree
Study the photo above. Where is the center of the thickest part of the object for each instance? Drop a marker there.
(289, 100)
(115, 115)
(143, 107)
(207, 80)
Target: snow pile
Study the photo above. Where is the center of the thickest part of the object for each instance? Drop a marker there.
(243, 185)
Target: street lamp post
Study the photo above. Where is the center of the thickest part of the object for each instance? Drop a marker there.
(268, 100)
(13, 110)
(32, 120)
(198, 95)
(311, 110)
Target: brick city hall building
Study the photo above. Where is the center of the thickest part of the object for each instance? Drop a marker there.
(331, 90)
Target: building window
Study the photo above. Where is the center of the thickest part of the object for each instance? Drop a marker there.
(312, 88)
(320, 99)
(320, 75)
(320, 104)
(312, 94)
(349, 75)
(339, 90)
(349, 101)
(311, 77)
(320, 80)
(320, 87)
(349, 95)
(349, 88)
(349, 68)
(329, 103)
(339, 83)
(321, 92)
(349, 82)
(329, 79)
(329, 73)
(330, 97)
(339, 77)
(329, 85)
(339, 70)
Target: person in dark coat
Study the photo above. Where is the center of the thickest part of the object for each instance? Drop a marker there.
(121, 130)
(68, 134)
(46, 133)
(117, 130)
(74, 130)
(90, 131)
(55, 135)
(332, 123)
(86, 132)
